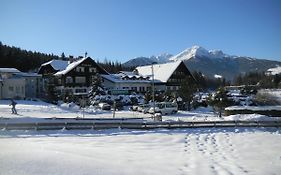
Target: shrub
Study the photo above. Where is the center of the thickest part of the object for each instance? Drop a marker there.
(265, 99)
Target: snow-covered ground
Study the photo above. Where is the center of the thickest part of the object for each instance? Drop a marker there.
(37, 110)
(274, 92)
(153, 152)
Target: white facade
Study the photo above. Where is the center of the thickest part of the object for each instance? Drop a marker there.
(16, 84)
(13, 88)
(126, 81)
(136, 86)
(33, 85)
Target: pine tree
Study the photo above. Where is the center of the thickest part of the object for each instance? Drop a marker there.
(187, 90)
(219, 100)
(96, 87)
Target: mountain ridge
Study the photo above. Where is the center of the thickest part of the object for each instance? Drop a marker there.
(213, 62)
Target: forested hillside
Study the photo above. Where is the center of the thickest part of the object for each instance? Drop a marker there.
(25, 61)
(22, 59)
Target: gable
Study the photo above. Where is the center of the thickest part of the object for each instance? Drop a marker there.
(162, 72)
(85, 62)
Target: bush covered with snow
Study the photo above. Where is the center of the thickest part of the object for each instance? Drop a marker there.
(266, 99)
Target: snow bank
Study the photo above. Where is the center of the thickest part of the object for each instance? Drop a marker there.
(254, 108)
(250, 117)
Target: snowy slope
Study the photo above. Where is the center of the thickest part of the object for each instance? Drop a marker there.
(142, 61)
(198, 51)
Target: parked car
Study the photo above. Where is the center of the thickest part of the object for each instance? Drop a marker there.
(164, 108)
(104, 106)
(144, 108)
(134, 108)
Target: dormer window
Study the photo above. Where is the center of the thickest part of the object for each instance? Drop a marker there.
(69, 80)
(80, 69)
(92, 69)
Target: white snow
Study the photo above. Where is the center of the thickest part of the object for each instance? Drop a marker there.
(254, 108)
(9, 70)
(162, 72)
(274, 92)
(217, 76)
(70, 67)
(158, 152)
(274, 71)
(35, 111)
(57, 64)
(198, 51)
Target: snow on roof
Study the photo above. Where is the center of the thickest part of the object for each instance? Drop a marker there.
(217, 76)
(70, 67)
(25, 74)
(128, 73)
(274, 71)
(162, 72)
(117, 79)
(57, 64)
(254, 108)
(9, 70)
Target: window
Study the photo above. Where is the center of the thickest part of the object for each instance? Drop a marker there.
(80, 79)
(92, 69)
(69, 80)
(59, 81)
(80, 90)
(142, 89)
(17, 89)
(134, 88)
(80, 69)
(11, 88)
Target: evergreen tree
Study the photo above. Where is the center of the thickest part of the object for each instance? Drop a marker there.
(96, 87)
(22, 59)
(187, 90)
(219, 100)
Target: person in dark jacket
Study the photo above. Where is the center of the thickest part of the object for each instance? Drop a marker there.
(13, 104)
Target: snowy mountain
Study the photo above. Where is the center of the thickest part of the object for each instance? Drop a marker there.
(197, 51)
(215, 62)
(211, 62)
(142, 61)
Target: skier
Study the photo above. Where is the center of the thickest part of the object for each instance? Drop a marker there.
(13, 104)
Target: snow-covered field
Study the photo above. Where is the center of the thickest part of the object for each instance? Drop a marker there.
(152, 152)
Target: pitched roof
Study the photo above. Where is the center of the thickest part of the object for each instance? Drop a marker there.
(58, 65)
(162, 72)
(75, 64)
(70, 67)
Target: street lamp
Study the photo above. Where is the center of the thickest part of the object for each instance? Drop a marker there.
(153, 89)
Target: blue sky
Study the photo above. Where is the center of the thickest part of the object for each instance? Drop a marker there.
(124, 29)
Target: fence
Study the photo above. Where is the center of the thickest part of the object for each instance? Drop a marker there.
(124, 124)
